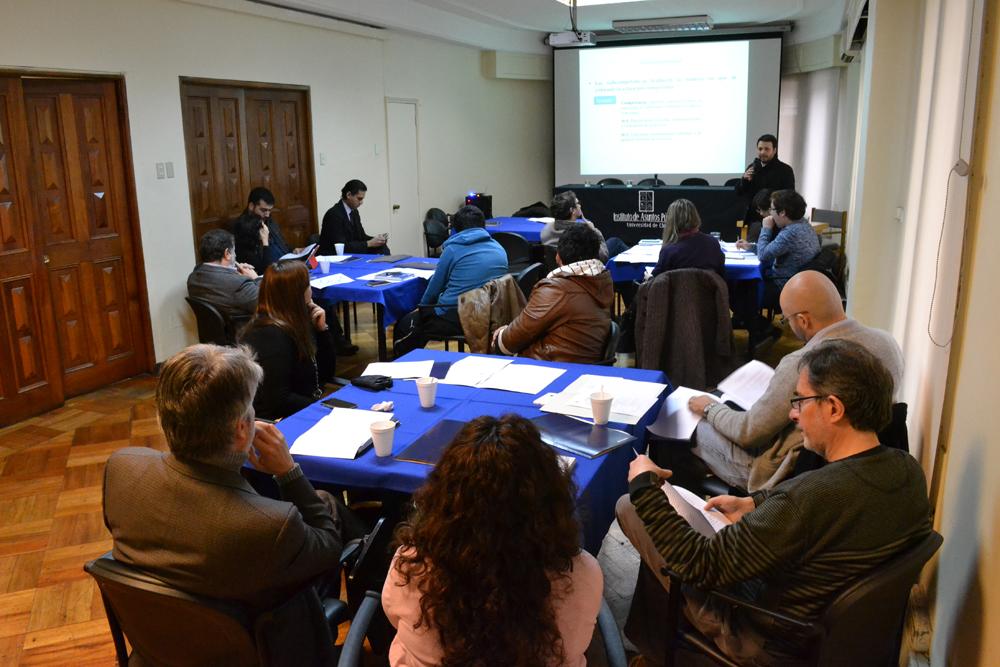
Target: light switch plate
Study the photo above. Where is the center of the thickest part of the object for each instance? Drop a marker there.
(161, 171)
(170, 170)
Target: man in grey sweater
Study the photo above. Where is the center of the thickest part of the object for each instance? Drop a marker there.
(757, 448)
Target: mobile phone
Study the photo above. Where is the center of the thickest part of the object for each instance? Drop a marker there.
(377, 283)
(332, 402)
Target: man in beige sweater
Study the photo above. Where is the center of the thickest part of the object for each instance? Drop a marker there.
(757, 448)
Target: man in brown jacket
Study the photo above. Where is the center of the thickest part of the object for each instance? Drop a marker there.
(568, 316)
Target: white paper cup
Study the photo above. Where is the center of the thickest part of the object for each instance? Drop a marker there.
(382, 433)
(427, 390)
(324, 265)
(339, 247)
(600, 405)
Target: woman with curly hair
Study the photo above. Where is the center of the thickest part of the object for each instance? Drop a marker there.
(489, 570)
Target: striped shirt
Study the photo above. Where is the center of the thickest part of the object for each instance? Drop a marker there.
(808, 538)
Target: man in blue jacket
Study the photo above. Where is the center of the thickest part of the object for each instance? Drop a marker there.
(471, 258)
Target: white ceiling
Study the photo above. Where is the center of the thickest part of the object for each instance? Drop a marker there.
(521, 25)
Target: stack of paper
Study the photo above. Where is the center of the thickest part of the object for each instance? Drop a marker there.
(401, 370)
(522, 378)
(632, 398)
(328, 280)
(746, 384)
(542, 220)
(675, 420)
(470, 371)
(342, 434)
(640, 254)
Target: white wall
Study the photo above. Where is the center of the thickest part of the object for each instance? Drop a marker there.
(153, 42)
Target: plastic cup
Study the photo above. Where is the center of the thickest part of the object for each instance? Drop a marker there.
(382, 433)
(427, 390)
(600, 405)
(339, 247)
(716, 235)
(324, 265)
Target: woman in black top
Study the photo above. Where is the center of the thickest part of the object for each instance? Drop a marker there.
(291, 340)
(685, 246)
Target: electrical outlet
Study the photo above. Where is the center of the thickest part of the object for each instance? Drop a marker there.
(161, 171)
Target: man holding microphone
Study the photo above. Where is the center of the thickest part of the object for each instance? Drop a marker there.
(766, 172)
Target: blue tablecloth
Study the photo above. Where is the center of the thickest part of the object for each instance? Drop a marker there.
(625, 272)
(600, 481)
(530, 230)
(397, 298)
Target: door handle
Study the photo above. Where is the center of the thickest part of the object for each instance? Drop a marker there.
(45, 259)
(395, 207)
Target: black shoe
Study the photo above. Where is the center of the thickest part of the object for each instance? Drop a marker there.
(345, 349)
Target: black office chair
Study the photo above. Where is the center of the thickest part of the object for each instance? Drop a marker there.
(862, 626)
(517, 248)
(732, 182)
(550, 258)
(171, 627)
(428, 310)
(527, 278)
(611, 181)
(371, 608)
(694, 180)
(435, 231)
(611, 346)
(212, 325)
(651, 183)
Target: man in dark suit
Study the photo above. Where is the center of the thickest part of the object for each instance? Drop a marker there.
(342, 224)
(766, 172)
(229, 286)
(189, 518)
(258, 237)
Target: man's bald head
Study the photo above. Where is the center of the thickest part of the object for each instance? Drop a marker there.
(813, 297)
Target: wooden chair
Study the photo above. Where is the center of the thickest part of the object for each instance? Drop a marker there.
(836, 232)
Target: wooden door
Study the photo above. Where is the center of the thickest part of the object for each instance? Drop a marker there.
(238, 137)
(30, 380)
(83, 230)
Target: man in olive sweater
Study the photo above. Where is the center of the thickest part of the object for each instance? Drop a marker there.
(795, 547)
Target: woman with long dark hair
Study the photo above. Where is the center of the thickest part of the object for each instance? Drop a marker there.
(291, 341)
(489, 571)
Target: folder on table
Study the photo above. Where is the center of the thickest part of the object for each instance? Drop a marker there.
(578, 437)
(389, 258)
(429, 447)
(423, 266)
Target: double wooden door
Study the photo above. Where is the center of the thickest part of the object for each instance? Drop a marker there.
(72, 300)
(238, 137)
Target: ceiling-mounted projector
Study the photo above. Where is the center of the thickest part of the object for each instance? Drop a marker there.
(570, 38)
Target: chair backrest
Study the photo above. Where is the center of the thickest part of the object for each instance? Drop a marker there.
(732, 182)
(864, 623)
(550, 257)
(837, 221)
(211, 324)
(611, 181)
(435, 233)
(694, 180)
(895, 434)
(527, 278)
(829, 263)
(611, 346)
(167, 626)
(652, 183)
(517, 248)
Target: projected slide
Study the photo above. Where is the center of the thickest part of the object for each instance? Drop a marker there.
(664, 108)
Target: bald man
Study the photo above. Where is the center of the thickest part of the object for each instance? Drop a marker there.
(756, 449)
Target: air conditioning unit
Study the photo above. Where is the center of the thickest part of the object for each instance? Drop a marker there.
(855, 30)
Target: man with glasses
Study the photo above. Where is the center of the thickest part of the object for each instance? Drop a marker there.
(793, 548)
(755, 449)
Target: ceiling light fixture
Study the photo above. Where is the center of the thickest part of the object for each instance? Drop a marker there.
(668, 24)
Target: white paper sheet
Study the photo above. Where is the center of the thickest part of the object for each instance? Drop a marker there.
(391, 275)
(473, 370)
(401, 370)
(747, 383)
(522, 378)
(632, 398)
(542, 220)
(333, 259)
(675, 420)
(716, 519)
(339, 435)
(330, 279)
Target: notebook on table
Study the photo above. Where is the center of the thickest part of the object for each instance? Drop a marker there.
(389, 259)
(429, 447)
(578, 437)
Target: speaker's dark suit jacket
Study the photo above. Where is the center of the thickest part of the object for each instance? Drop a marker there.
(339, 228)
(202, 528)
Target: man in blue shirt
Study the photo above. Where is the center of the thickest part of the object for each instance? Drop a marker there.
(471, 258)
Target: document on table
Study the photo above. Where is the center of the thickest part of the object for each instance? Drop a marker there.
(522, 378)
(401, 370)
(473, 370)
(333, 259)
(542, 220)
(675, 420)
(640, 254)
(342, 434)
(632, 398)
(748, 259)
(691, 508)
(746, 384)
(328, 280)
(390, 276)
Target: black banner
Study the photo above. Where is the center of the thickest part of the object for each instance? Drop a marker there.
(634, 213)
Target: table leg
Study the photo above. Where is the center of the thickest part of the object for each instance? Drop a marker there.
(383, 353)
(346, 308)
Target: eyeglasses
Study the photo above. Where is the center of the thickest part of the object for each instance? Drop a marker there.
(785, 318)
(796, 402)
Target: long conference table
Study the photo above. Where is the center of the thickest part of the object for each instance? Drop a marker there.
(600, 481)
(392, 301)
